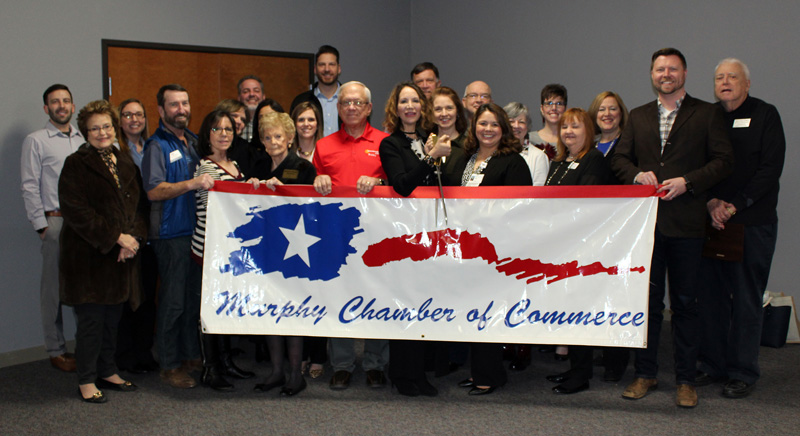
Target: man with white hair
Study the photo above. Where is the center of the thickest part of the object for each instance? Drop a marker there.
(744, 204)
(349, 157)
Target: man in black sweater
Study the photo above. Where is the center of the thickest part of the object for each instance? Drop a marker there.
(731, 292)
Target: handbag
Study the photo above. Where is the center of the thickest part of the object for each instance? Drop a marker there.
(775, 326)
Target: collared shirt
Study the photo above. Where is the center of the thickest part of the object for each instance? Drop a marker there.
(330, 113)
(135, 155)
(345, 158)
(247, 132)
(43, 155)
(666, 119)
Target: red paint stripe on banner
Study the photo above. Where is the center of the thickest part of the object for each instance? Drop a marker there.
(611, 191)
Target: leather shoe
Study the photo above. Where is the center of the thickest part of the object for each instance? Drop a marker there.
(375, 378)
(97, 398)
(566, 389)
(737, 389)
(64, 362)
(230, 369)
(639, 388)
(704, 379)
(214, 379)
(178, 378)
(264, 387)
(466, 383)
(290, 392)
(482, 391)
(686, 396)
(340, 380)
(126, 386)
(558, 378)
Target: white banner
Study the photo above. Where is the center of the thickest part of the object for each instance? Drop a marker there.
(547, 265)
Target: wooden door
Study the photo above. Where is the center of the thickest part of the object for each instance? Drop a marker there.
(210, 74)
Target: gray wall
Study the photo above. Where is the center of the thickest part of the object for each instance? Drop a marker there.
(587, 46)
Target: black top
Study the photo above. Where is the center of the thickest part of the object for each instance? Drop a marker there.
(404, 169)
(759, 150)
(591, 169)
(502, 170)
(294, 170)
(244, 154)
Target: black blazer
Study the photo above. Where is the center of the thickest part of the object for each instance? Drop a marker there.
(404, 169)
(502, 170)
(697, 148)
(592, 169)
(294, 170)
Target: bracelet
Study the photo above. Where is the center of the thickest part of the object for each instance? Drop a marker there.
(429, 160)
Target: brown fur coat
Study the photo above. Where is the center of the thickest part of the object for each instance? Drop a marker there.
(95, 213)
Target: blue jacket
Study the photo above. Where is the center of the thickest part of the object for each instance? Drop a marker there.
(177, 216)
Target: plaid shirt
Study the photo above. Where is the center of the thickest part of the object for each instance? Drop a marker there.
(666, 119)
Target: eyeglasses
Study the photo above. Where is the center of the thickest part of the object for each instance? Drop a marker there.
(219, 130)
(351, 103)
(130, 115)
(554, 103)
(96, 129)
(474, 96)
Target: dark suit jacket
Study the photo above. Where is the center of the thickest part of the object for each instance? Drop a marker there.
(697, 148)
(502, 170)
(404, 169)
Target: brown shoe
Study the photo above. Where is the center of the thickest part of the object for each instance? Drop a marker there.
(178, 378)
(639, 388)
(686, 396)
(64, 362)
(192, 365)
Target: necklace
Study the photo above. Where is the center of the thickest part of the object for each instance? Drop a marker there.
(305, 153)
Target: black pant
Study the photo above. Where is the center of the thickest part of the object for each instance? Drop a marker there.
(487, 364)
(95, 340)
(136, 329)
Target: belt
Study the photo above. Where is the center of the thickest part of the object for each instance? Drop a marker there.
(52, 213)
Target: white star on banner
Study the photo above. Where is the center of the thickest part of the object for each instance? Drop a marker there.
(299, 241)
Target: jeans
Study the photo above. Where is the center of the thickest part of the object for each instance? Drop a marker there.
(680, 259)
(178, 302)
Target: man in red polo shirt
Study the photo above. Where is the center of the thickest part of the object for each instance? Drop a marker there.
(346, 158)
(350, 156)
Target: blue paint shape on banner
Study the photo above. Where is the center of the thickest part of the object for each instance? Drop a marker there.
(309, 241)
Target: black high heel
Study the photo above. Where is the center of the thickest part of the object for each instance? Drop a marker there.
(264, 387)
(290, 392)
(407, 388)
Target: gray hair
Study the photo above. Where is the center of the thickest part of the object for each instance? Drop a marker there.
(515, 109)
(737, 62)
(366, 90)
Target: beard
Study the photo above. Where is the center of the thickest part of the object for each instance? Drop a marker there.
(59, 118)
(179, 123)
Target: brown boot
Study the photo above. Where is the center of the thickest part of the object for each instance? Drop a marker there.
(178, 378)
(639, 388)
(686, 396)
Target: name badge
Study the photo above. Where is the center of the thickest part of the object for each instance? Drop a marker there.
(475, 180)
(741, 122)
(573, 165)
(175, 156)
(290, 174)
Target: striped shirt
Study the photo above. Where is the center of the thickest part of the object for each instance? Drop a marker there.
(213, 169)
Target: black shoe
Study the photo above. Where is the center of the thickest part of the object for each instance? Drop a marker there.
(97, 398)
(230, 369)
(558, 378)
(427, 389)
(213, 378)
(466, 383)
(122, 387)
(135, 369)
(406, 387)
(566, 389)
(737, 389)
(264, 387)
(704, 379)
(290, 392)
(482, 391)
(375, 378)
(612, 375)
(340, 380)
